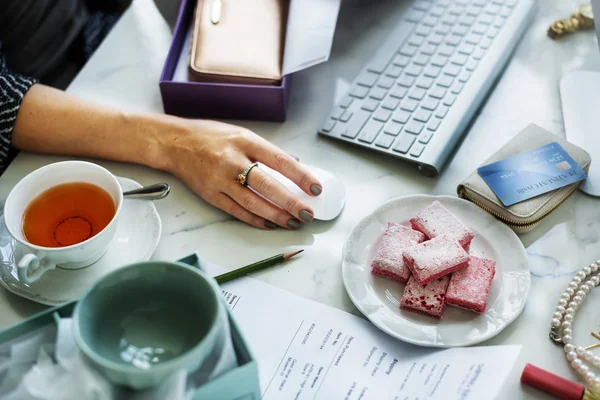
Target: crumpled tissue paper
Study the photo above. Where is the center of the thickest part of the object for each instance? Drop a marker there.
(48, 365)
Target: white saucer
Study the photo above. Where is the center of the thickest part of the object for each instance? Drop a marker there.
(379, 298)
(136, 239)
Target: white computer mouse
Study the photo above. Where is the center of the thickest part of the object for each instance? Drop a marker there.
(329, 204)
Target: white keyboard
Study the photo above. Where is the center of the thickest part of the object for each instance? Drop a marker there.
(419, 92)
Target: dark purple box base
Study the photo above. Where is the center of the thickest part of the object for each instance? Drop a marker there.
(216, 100)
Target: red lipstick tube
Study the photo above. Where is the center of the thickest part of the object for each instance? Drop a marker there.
(555, 385)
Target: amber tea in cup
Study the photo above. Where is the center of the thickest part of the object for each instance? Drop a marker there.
(67, 214)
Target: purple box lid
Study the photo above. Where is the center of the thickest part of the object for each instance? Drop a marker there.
(216, 100)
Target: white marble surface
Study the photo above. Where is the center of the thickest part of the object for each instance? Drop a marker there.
(122, 74)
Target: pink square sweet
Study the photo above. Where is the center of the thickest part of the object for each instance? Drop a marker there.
(435, 258)
(470, 287)
(388, 261)
(428, 299)
(436, 220)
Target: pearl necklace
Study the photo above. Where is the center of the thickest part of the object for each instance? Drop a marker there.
(562, 321)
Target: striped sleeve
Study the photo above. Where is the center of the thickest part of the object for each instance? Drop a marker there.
(12, 90)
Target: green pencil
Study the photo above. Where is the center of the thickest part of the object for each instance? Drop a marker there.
(257, 266)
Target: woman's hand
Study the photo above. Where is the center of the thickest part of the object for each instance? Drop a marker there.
(209, 157)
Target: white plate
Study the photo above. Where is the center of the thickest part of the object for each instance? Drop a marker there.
(379, 299)
(136, 239)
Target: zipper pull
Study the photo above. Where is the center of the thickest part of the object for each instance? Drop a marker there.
(215, 11)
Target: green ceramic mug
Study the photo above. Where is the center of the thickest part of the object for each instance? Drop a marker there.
(143, 322)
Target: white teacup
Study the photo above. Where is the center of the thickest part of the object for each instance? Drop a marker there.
(34, 261)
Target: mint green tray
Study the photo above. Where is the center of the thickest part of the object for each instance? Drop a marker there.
(239, 384)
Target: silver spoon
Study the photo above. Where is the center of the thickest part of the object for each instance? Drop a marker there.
(152, 192)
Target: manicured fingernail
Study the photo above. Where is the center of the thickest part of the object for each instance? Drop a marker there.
(315, 189)
(306, 216)
(270, 225)
(294, 223)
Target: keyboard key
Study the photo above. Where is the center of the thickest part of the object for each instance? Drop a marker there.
(485, 43)
(428, 49)
(426, 136)
(430, 103)
(340, 130)
(438, 92)
(473, 38)
(464, 76)
(474, 10)
(384, 141)
(433, 124)
(406, 81)
(466, 20)
(370, 131)
(390, 103)
(436, 39)
(445, 81)
(414, 127)
(401, 116)
(367, 79)
(401, 61)
(422, 5)
(449, 99)
(359, 92)
(443, 3)
(416, 40)
(398, 92)
(422, 115)
(328, 125)
(346, 101)
(424, 82)
(480, 29)
(471, 65)
(377, 93)
(433, 72)
(511, 3)
(413, 70)
(382, 115)
(393, 128)
(455, 9)
(457, 88)
(408, 50)
(346, 116)
(459, 59)
(499, 21)
(421, 59)
(443, 29)
(449, 19)
(441, 112)
(480, 3)
(492, 32)
(417, 93)
(486, 19)
(422, 30)
(453, 40)
(403, 143)
(439, 61)
(409, 105)
(460, 30)
(478, 54)
(452, 70)
(394, 71)
(446, 50)
(466, 48)
(370, 105)
(417, 149)
(492, 9)
(386, 82)
(337, 113)
(437, 11)
(414, 16)
(430, 21)
(350, 133)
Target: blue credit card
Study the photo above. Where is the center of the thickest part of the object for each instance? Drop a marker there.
(531, 173)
